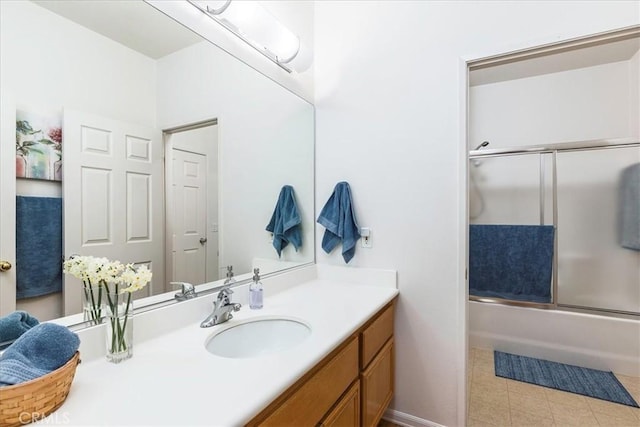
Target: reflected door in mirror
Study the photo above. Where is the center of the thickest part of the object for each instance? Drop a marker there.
(114, 208)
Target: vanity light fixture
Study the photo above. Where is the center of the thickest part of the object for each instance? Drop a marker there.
(257, 27)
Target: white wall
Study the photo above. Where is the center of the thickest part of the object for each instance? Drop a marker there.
(574, 105)
(388, 108)
(265, 141)
(48, 63)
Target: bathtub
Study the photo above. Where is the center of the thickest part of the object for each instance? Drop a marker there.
(588, 340)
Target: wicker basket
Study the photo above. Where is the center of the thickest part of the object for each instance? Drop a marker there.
(33, 400)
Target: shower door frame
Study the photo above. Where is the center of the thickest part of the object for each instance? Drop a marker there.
(553, 150)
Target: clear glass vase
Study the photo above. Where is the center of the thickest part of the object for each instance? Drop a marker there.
(118, 309)
(92, 299)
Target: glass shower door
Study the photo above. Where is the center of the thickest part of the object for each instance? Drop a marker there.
(594, 270)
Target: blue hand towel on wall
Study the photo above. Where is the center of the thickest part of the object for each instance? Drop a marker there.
(338, 218)
(511, 261)
(630, 207)
(285, 221)
(14, 325)
(38, 246)
(40, 350)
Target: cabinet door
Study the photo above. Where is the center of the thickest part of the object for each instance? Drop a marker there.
(308, 404)
(377, 385)
(347, 412)
(376, 335)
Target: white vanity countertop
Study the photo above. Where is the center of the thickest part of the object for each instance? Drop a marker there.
(174, 380)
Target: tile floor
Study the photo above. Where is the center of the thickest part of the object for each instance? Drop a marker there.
(495, 401)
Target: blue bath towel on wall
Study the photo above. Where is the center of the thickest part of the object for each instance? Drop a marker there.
(511, 261)
(38, 246)
(338, 218)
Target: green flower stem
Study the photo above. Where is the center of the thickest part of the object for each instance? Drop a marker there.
(123, 345)
(118, 341)
(96, 306)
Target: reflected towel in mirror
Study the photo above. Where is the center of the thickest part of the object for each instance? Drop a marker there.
(38, 246)
(338, 218)
(285, 221)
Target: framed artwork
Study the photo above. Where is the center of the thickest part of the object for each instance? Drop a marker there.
(38, 146)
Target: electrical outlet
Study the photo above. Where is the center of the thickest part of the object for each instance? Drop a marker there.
(365, 236)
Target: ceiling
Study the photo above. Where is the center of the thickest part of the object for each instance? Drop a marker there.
(134, 24)
(552, 63)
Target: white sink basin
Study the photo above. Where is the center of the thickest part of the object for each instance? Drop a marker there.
(257, 337)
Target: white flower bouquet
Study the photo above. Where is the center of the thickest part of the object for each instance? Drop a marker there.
(108, 285)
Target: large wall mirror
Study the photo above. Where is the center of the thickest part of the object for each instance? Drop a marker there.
(173, 152)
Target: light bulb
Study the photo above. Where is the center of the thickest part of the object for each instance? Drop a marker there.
(256, 24)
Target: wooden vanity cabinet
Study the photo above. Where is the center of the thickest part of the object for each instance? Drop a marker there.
(377, 366)
(347, 410)
(314, 395)
(377, 386)
(351, 387)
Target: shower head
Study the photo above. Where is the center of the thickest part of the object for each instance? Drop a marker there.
(482, 145)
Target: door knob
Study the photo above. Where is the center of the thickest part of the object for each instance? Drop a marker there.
(5, 266)
(203, 240)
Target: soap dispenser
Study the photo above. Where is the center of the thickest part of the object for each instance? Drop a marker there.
(229, 280)
(255, 291)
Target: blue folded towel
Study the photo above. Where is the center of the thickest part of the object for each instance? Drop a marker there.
(38, 246)
(42, 349)
(15, 324)
(285, 221)
(630, 207)
(338, 218)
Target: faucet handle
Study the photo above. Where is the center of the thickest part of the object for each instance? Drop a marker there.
(188, 291)
(224, 292)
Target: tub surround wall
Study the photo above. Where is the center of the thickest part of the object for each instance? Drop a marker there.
(591, 341)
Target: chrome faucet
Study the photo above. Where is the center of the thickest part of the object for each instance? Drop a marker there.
(188, 291)
(222, 309)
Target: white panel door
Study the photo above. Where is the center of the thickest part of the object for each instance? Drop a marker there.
(113, 196)
(8, 209)
(189, 216)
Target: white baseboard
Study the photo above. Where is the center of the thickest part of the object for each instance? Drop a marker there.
(407, 420)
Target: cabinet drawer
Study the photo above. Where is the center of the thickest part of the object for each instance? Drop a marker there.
(376, 334)
(309, 403)
(347, 411)
(377, 386)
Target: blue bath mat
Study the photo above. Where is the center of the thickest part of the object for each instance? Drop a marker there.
(588, 382)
